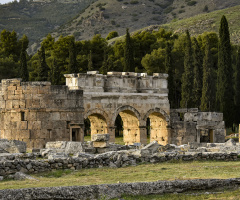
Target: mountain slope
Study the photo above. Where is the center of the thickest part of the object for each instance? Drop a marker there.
(105, 16)
(39, 17)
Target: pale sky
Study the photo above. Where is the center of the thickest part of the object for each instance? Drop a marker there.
(5, 1)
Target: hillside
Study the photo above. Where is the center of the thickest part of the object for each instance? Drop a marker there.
(210, 23)
(105, 16)
(37, 18)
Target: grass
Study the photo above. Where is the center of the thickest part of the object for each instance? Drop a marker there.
(144, 172)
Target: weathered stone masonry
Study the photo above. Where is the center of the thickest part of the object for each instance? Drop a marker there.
(133, 96)
(38, 112)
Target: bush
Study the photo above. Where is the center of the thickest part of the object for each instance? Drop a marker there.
(181, 11)
(112, 34)
(134, 2)
(191, 3)
(168, 10)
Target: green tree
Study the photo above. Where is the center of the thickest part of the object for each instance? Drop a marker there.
(23, 64)
(43, 67)
(187, 77)
(72, 66)
(111, 35)
(208, 94)
(48, 42)
(90, 63)
(128, 54)
(104, 68)
(237, 89)
(170, 71)
(197, 73)
(55, 73)
(225, 93)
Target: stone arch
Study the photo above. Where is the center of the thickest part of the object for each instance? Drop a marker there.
(159, 121)
(131, 120)
(123, 108)
(157, 110)
(98, 120)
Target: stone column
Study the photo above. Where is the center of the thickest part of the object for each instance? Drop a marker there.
(143, 134)
(111, 132)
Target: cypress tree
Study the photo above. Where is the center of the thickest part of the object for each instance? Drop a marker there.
(43, 69)
(72, 67)
(170, 71)
(197, 74)
(187, 77)
(207, 99)
(237, 89)
(90, 62)
(55, 75)
(23, 65)
(104, 67)
(225, 92)
(129, 65)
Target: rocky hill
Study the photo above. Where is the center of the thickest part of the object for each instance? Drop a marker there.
(39, 17)
(104, 16)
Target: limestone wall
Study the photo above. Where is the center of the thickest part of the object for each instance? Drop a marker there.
(38, 112)
(134, 96)
(190, 125)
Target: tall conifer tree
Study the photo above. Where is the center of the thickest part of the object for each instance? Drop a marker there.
(225, 92)
(43, 68)
(90, 62)
(170, 71)
(237, 89)
(55, 75)
(208, 94)
(187, 77)
(129, 65)
(197, 74)
(23, 64)
(72, 67)
(104, 67)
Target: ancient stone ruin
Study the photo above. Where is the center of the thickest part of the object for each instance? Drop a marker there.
(38, 112)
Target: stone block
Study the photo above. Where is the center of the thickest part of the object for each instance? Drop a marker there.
(13, 146)
(100, 144)
(100, 137)
(74, 147)
(56, 145)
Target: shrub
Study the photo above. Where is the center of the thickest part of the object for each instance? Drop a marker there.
(112, 34)
(134, 2)
(168, 10)
(191, 3)
(181, 11)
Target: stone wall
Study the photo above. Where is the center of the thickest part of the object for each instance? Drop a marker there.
(134, 96)
(110, 191)
(110, 159)
(38, 112)
(191, 125)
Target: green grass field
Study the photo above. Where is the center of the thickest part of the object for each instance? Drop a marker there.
(144, 172)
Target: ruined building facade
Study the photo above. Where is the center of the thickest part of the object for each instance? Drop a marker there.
(38, 112)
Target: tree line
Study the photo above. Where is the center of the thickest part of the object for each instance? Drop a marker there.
(204, 71)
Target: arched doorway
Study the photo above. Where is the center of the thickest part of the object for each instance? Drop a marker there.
(158, 126)
(98, 124)
(130, 124)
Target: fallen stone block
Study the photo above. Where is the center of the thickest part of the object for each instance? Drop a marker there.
(100, 137)
(100, 144)
(74, 147)
(22, 176)
(13, 146)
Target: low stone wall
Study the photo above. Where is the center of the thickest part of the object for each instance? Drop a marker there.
(109, 191)
(109, 159)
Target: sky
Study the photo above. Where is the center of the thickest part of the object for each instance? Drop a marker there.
(5, 1)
